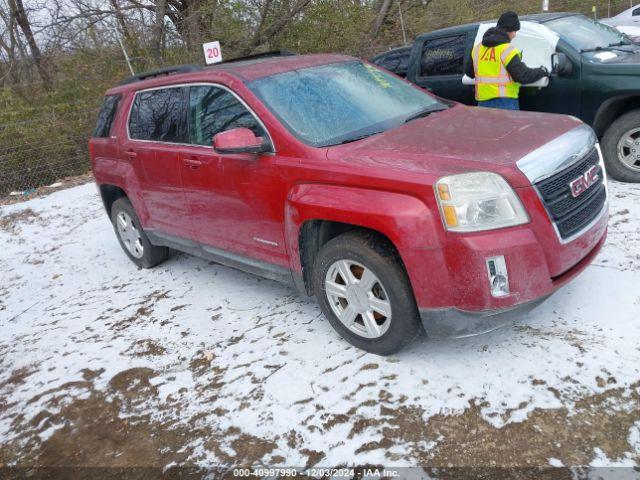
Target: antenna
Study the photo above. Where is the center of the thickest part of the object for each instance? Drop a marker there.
(404, 33)
(124, 51)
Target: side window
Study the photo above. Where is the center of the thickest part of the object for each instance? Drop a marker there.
(159, 115)
(403, 63)
(390, 62)
(636, 12)
(396, 62)
(106, 115)
(213, 110)
(443, 56)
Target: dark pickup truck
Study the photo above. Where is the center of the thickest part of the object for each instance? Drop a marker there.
(596, 78)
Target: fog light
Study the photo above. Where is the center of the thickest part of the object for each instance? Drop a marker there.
(498, 276)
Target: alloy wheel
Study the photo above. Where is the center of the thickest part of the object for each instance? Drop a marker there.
(358, 298)
(129, 234)
(629, 149)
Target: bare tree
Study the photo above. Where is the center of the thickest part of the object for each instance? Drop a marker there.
(158, 30)
(20, 14)
(274, 17)
(120, 17)
(381, 8)
(8, 44)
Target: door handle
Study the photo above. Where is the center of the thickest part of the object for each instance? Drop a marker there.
(192, 162)
(131, 154)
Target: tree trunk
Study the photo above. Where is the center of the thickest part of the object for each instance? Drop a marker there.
(122, 22)
(158, 30)
(265, 32)
(381, 15)
(20, 14)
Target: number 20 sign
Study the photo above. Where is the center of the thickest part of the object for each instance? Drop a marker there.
(212, 52)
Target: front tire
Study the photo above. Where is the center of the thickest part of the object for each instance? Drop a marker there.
(621, 148)
(132, 238)
(365, 293)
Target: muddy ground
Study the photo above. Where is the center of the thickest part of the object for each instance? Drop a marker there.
(194, 364)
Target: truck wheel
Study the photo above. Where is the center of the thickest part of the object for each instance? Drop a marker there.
(132, 238)
(621, 148)
(365, 293)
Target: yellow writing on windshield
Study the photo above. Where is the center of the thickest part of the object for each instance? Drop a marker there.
(378, 76)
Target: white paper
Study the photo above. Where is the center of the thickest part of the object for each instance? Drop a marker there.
(543, 82)
(604, 56)
(212, 52)
(536, 42)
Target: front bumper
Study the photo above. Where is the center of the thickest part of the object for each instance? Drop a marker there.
(454, 323)
(458, 323)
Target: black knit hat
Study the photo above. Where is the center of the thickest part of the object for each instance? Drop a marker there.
(509, 22)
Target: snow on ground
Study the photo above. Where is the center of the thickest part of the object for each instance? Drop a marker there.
(196, 363)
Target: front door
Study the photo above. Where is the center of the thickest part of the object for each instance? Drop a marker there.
(231, 196)
(441, 67)
(157, 124)
(563, 95)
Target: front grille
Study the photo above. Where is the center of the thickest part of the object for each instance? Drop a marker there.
(571, 214)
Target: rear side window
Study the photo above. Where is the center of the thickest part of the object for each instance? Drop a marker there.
(106, 116)
(443, 56)
(213, 110)
(159, 115)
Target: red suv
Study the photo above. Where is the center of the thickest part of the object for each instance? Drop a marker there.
(392, 206)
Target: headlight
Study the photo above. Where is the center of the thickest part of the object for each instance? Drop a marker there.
(471, 202)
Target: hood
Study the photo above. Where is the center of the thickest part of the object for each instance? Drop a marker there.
(458, 140)
(613, 62)
(494, 37)
(616, 57)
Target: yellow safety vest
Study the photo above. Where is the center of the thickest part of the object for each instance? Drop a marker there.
(490, 67)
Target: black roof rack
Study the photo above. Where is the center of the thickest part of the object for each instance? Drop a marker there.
(194, 68)
(162, 71)
(257, 56)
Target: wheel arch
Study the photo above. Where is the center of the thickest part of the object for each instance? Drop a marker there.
(109, 194)
(612, 109)
(316, 213)
(314, 234)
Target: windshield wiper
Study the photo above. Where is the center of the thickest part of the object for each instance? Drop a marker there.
(620, 44)
(613, 46)
(359, 137)
(424, 113)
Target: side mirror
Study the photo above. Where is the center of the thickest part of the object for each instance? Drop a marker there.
(239, 140)
(561, 65)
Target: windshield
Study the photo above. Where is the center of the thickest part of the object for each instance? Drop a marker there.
(342, 102)
(582, 33)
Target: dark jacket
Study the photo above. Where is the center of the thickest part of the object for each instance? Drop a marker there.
(516, 67)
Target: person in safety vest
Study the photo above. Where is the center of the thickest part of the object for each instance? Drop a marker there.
(498, 68)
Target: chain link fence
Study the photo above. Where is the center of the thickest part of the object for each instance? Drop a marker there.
(38, 152)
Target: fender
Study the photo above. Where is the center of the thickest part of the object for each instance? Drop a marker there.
(406, 220)
(109, 171)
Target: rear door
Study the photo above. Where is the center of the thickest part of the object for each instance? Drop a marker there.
(441, 66)
(156, 128)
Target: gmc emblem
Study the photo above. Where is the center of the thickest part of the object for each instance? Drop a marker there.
(584, 181)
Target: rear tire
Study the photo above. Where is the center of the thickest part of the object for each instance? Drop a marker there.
(132, 238)
(621, 148)
(374, 309)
